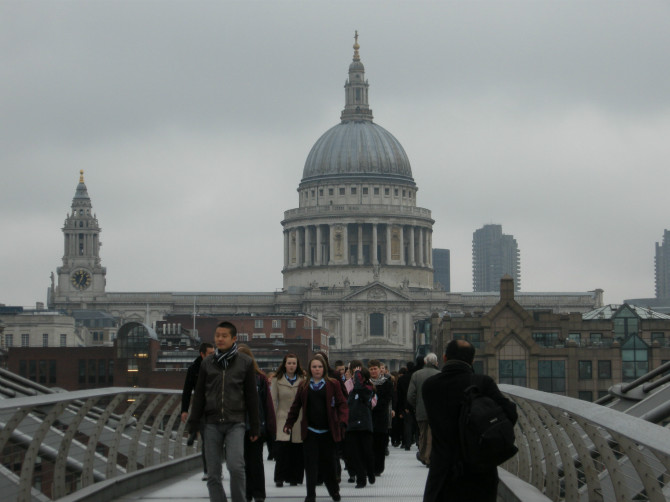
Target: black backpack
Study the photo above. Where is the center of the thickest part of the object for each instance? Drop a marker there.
(486, 434)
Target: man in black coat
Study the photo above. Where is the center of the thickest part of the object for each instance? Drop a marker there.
(189, 384)
(403, 411)
(449, 479)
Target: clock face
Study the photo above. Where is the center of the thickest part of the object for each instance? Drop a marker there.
(81, 279)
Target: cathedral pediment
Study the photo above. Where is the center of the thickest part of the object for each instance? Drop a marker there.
(377, 291)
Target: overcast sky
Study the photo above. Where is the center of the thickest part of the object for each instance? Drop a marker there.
(192, 121)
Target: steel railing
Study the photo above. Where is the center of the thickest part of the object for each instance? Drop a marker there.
(574, 450)
(55, 444)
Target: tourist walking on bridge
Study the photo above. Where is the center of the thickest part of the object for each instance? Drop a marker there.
(380, 414)
(415, 399)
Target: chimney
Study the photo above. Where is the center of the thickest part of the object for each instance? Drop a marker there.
(506, 288)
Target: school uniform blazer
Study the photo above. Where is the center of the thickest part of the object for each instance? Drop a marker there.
(338, 411)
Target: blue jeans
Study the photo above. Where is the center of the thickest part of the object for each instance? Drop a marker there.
(230, 435)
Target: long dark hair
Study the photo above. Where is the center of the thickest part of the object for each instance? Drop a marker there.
(246, 350)
(281, 371)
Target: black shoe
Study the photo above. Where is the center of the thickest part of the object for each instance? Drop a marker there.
(361, 484)
(407, 448)
(371, 479)
(279, 484)
(351, 480)
(377, 474)
(336, 497)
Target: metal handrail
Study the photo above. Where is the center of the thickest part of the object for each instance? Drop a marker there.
(575, 450)
(52, 445)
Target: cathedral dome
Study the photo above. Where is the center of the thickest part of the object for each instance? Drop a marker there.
(357, 148)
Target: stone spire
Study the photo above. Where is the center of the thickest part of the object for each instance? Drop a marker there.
(356, 90)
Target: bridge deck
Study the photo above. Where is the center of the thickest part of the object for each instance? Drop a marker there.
(403, 480)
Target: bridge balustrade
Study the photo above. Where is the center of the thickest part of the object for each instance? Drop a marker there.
(53, 445)
(574, 450)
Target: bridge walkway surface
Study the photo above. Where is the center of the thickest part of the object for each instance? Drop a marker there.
(403, 480)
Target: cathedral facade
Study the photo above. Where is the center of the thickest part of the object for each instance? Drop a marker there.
(357, 251)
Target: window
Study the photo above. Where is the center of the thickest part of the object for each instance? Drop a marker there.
(313, 194)
(63, 340)
(42, 374)
(576, 338)
(551, 376)
(331, 191)
(45, 339)
(387, 191)
(258, 335)
(404, 193)
(473, 338)
(110, 371)
(660, 337)
(320, 192)
(102, 371)
(276, 335)
(276, 323)
(625, 324)
(242, 337)
(25, 340)
(365, 190)
(32, 370)
(9, 340)
(23, 368)
(341, 191)
(376, 324)
(512, 371)
(546, 339)
(353, 190)
(602, 393)
(585, 395)
(395, 192)
(634, 358)
(410, 194)
(585, 370)
(604, 370)
(52, 371)
(596, 339)
(258, 323)
(290, 324)
(376, 190)
(91, 370)
(82, 371)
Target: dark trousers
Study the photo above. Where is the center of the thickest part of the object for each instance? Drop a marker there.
(289, 465)
(409, 432)
(319, 455)
(380, 441)
(202, 441)
(359, 454)
(253, 468)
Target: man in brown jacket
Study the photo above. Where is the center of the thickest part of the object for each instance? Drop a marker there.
(225, 396)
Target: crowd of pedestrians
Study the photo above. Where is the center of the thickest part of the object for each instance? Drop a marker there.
(316, 418)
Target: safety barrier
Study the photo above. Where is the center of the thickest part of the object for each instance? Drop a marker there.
(55, 444)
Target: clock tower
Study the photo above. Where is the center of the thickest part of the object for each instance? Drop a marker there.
(81, 277)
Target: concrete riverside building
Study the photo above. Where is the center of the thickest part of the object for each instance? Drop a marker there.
(357, 251)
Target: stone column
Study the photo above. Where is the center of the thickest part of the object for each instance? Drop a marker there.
(345, 243)
(319, 260)
(402, 245)
(422, 263)
(374, 244)
(308, 250)
(430, 249)
(411, 246)
(360, 243)
(290, 247)
(388, 244)
(285, 248)
(331, 244)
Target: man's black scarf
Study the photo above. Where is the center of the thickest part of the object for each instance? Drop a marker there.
(224, 358)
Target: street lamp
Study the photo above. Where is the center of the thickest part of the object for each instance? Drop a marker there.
(312, 320)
